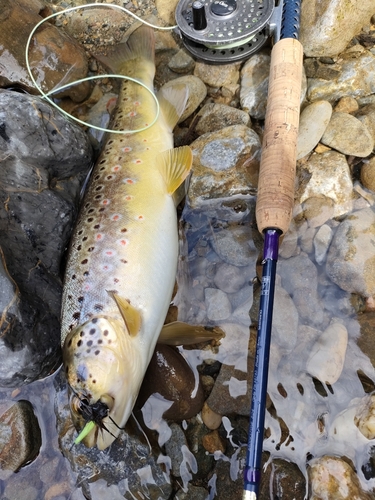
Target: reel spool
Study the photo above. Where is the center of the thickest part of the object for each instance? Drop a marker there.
(223, 31)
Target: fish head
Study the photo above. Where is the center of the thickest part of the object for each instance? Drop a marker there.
(102, 369)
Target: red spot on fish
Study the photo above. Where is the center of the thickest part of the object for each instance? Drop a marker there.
(137, 103)
(116, 217)
(123, 242)
(129, 181)
(144, 140)
(146, 124)
(132, 113)
(138, 161)
(140, 217)
(128, 197)
(105, 201)
(116, 168)
(99, 237)
(126, 149)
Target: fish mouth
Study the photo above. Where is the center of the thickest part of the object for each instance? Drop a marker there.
(97, 414)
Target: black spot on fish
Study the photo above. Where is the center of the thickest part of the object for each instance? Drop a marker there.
(109, 341)
(82, 333)
(86, 206)
(80, 299)
(76, 315)
(105, 333)
(86, 273)
(101, 162)
(124, 230)
(84, 261)
(73, 276)
(97, 352)
(97, 177)
(100, 341)
(94, 381)
(91, 249)
(98, 188)
(101, 209)
(98, 307)
(102, 168)
(79, 343)
(89, 343)
(70, 342)
(95, 320)
(98, 196)
(92, 331)
(116, 280)
(97, 226)
(88, 351)
(70, 297)
(84, 238)
(71, 327)
(3, 133)
(91, 211)
(79, 247)
(109, 177)
(90, 219)
(124, 261)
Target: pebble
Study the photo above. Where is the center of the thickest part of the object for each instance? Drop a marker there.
(254, 85)
(366, 115)
(351, 259)
(326, 174)
(228, 278)
(348, 135)
(333, 478)
(217, 304)
(347, 104)
(211, 419)
(327, 26)
(322, 240)
(220, 75)
(327, 355)
(197, 93)
(368, 174)
(181, 62)
(229, 246)
(313, 123)
(318, 210)
(212, 442)
(213, 117)
(20, 438)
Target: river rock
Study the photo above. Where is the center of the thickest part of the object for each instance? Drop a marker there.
(21, 438)
(285, 320)
(229, 279)
(221, 76)
(322, 240)
(327, 26)
(348, 135)
(368, 174)
(55, 58)
(225, 163)
(327, 355)
(352, 79)
(169, 375)
(44, 162)
(365, 416)
(299, 278)
(326, 174)
(235, 246)
(254, 84)
(313, 123)
(213, 117)
(197, 93)
(347, 104)
(333, 478)
(317, 210)
(217, 304)
(181, 62)
(366, 115)
(351, 257)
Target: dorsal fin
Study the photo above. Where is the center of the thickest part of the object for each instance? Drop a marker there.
(130, 314)
(172, 100)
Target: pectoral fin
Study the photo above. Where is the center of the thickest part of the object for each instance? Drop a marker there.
(174, 165)
(179, 333)
(130, 315)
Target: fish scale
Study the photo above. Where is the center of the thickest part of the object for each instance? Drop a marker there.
(122, 259)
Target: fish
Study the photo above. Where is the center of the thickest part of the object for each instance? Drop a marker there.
(123, 255)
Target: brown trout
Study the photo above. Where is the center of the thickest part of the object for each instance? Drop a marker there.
(123, 257)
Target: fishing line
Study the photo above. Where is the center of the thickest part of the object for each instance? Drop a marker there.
(45, 95)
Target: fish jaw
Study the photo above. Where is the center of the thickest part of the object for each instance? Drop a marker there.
(104, 369)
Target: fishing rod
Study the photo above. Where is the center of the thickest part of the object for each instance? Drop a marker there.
(274, 208)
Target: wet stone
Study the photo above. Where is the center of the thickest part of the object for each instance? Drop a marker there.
(181, 62)
(217, 304)
(313, 122)
(20, 438)
(235, 246)
(322, 240)
(45, 162)
(254, 85)
(214, 117)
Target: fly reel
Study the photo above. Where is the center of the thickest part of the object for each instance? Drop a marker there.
(222, 31)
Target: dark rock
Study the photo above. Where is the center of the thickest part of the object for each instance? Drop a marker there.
(44, 161)
(20, 438)
(170, 375)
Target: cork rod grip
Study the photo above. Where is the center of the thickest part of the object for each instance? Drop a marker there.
(275, 198)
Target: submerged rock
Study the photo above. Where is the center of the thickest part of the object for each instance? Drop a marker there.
(20, 438)
(45, 159)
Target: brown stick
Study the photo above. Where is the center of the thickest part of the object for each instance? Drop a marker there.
(278, 163)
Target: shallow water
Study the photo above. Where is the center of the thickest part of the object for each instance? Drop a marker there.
(319, 417)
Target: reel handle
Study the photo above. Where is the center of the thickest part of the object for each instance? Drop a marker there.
(275, 199)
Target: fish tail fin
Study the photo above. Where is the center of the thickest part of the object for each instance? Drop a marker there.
(173, 100)
(133, 57)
